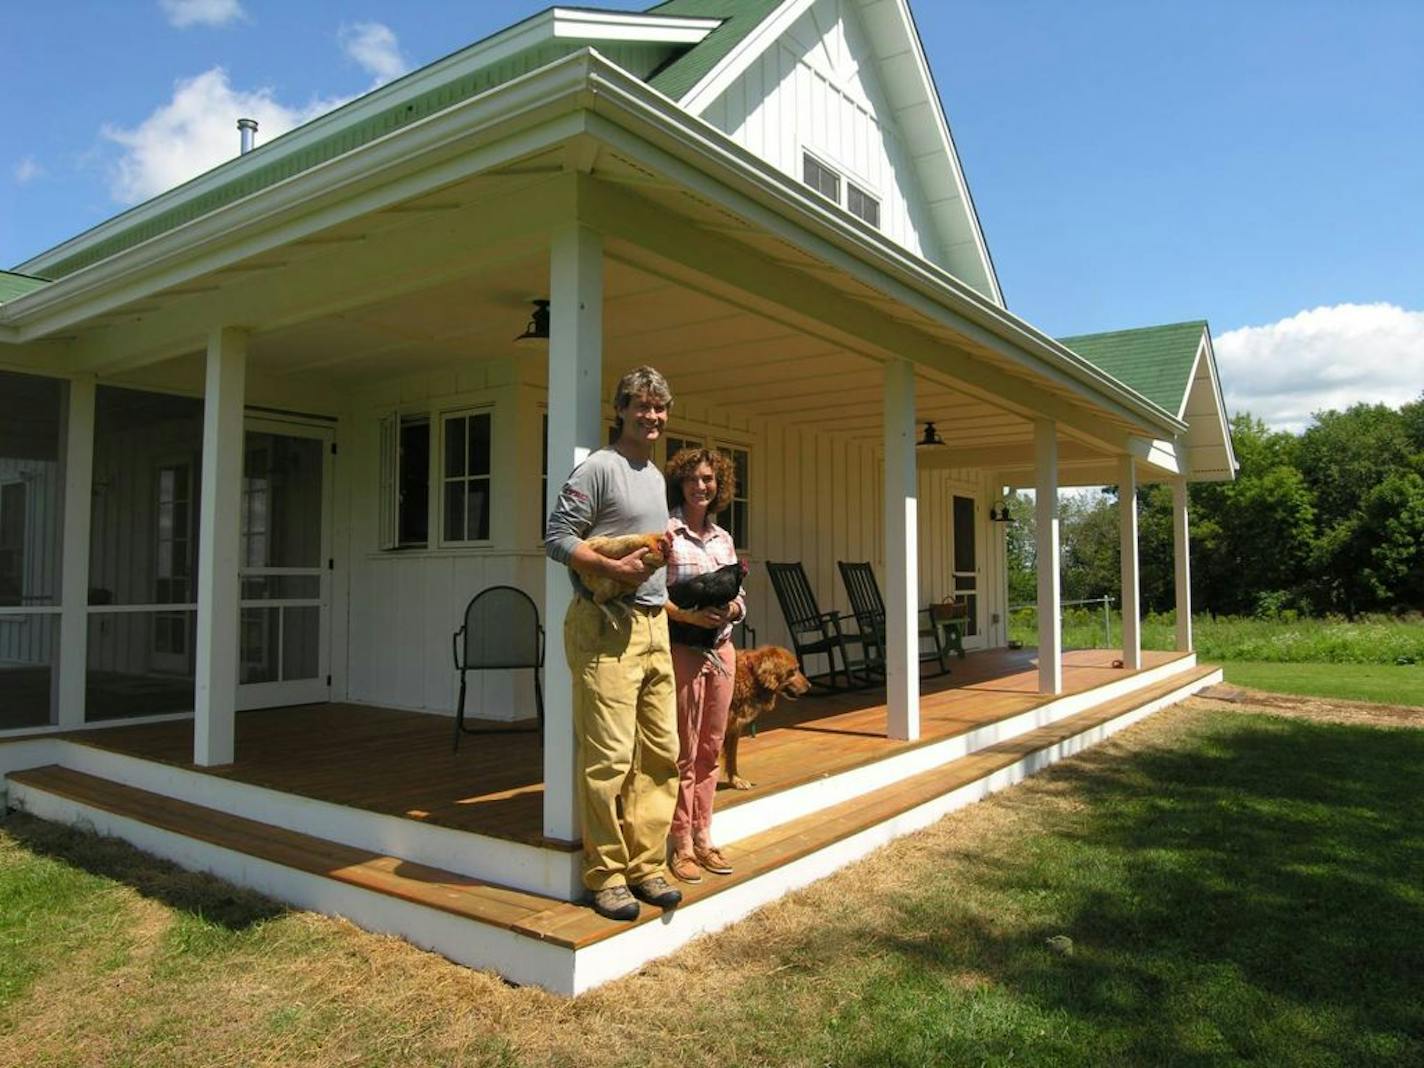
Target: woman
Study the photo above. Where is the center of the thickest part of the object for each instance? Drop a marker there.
(700, 484)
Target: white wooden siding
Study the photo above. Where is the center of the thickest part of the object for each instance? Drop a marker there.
(815, 498)
(816, 89)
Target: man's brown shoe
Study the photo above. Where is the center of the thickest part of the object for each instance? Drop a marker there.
(615, 903)
(656, 891)
(685, 869)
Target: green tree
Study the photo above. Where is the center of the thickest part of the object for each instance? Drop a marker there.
(1345, 459)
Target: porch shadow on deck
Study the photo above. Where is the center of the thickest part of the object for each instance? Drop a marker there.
(400, 763)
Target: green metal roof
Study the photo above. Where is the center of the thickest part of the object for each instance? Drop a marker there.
(739, 17)
(14, 285)
(1156, 361)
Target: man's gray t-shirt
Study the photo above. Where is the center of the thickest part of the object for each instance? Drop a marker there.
(608, 494)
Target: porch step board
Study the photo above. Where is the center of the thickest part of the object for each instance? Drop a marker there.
(741, 816)
(541, 940)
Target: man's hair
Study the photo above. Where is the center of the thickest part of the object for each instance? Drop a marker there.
(689, 460)
(639, 382)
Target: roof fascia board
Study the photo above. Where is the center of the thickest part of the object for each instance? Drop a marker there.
(1208, 353)
(734, 63)
(932, 289)
(384, 172)
(555, 23)
(931, 92)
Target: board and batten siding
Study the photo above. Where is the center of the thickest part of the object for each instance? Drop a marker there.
(816, 498)
(816, 90)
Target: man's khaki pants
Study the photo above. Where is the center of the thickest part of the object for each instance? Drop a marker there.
(625, 723)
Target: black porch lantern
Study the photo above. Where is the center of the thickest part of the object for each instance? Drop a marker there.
(999, 513)
(537, 329)
(931, 437)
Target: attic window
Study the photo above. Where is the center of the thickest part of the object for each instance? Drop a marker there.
(821, 178)
(827, 182)
(862, 205)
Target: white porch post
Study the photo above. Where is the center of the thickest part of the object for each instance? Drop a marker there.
(902, 652)
(1050, 626)
(1182, 560)
(214, 725)
(1127, 520)
(575, 430)
(73, 666)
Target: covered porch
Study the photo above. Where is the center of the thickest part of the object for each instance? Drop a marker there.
(401, 763)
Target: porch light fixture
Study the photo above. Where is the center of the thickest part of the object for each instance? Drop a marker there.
(931, 437)
(999, 512)
(537, 329)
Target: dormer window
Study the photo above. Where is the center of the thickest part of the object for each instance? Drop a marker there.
(827, 182)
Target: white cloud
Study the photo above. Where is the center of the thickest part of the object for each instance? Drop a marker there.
(27, 170)
(374, 46)
(185, 13)
(1329, 357)
(194, 132)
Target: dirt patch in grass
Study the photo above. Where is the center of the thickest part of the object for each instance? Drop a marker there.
(1323, 710)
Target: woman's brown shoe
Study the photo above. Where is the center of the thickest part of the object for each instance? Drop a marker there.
(685, 869)
(711, 858)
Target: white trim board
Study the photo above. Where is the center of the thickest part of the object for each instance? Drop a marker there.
(549, 872)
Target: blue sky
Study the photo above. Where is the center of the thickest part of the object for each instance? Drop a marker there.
(1258, 163)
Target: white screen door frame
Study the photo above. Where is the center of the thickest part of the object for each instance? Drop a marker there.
(284, 626)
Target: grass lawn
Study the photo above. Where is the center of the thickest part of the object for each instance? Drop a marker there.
(1212, 887)
(1387, 683)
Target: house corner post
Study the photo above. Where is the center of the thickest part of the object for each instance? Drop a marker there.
(575, 430)
(1131, 584)
(1182, 565)
(1050, 624)
(219, 547)
(73, 667)
(902, 641)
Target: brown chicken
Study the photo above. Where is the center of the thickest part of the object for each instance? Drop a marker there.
(606, 589)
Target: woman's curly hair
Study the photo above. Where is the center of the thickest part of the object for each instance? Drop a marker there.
(689, 460)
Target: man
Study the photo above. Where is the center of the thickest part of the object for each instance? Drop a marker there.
(625, 700)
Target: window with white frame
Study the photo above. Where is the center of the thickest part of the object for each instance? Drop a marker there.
(465, 477)
(827, 181)
(862, 205)
(405, 481)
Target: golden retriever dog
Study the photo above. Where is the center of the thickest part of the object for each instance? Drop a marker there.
(763, 675)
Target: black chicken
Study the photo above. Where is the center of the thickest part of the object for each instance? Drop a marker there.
(710, 590)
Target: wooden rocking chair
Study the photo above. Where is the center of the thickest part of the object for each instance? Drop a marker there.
(815, 632)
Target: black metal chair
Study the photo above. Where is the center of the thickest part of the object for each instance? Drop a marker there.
(868, 607)
(501, 631)
(815, 632)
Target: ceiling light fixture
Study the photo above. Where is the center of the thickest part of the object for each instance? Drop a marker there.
(931, 437)
(537, 329)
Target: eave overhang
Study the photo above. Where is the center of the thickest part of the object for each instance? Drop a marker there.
(582, 93)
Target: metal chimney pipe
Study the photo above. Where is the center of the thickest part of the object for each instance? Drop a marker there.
(248, 131)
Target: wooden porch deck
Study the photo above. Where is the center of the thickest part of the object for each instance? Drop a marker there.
(400, 763)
